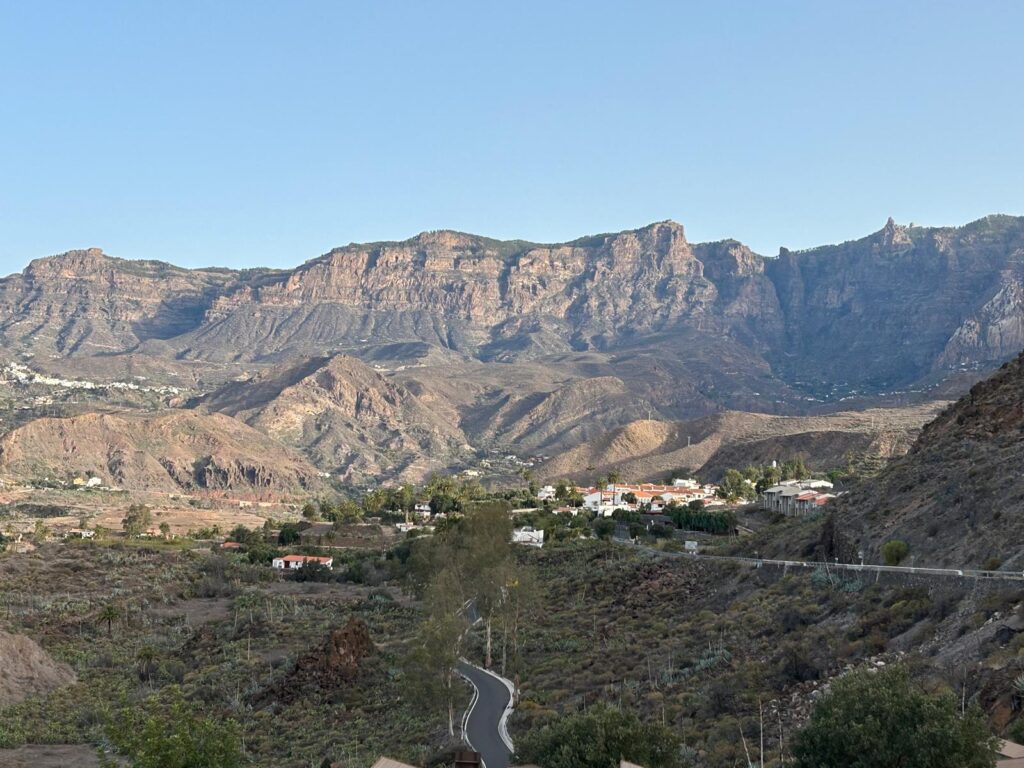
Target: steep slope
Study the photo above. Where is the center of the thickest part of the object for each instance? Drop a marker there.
(869, 315)
(170, 451)
(957, 497)
(347, 417)
(652, 449)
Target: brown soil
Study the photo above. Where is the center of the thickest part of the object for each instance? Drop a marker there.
(27, 670)
(50, 756)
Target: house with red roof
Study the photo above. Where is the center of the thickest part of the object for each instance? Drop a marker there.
(294, 562)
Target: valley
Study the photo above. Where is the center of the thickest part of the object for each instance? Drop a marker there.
(258, 502)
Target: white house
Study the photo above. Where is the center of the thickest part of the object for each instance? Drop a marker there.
(547, 492)
(529, 536)
(294, 562)
(422, 509)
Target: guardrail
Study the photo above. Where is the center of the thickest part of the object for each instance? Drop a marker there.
(757, 562)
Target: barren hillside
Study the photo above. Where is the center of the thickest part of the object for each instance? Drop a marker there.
(350, 419)
(651, 449)
(169, 451)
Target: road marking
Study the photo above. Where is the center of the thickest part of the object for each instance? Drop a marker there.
(502, 721)
(469, 709)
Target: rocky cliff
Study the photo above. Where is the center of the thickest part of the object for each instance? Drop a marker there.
(885, 311)
(502, 343)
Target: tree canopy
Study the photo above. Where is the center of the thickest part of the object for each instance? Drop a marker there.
(884, 719)
(599, 738)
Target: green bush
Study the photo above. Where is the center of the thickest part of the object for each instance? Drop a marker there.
(600, 738)
(882, 718)
(895, 552)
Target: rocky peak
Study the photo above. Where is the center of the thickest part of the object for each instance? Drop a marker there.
(445, 238)
(894, 235)
(76, 263)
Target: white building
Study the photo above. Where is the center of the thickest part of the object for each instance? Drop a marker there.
(294, 562)
(529, 536)
(547, 492)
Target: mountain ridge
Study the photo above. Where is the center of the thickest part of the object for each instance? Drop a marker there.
(538, 347)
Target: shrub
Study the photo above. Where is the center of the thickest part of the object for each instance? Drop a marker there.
(895, 551)
(883, 718)
(598, 738)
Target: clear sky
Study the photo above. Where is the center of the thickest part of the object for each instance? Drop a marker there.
(265, 133)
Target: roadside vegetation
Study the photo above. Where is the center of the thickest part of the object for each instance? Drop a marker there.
(675, 661)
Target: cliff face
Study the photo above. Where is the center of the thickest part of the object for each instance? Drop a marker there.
(872, 314)
(889, 309)
(957, 497)
(501, 343)
(475, 295)
(87, 303)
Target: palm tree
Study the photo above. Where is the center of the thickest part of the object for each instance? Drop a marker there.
(109, 614)
(146, 657)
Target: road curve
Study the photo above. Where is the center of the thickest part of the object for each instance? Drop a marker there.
(484, 721)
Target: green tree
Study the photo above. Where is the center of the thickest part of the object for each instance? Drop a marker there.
(795, 469)
(430, 667)
(895, 551)
(486, 552)
(310, 510)
(347, 512)
(599, 738)
(41, 532)
(165, 529)
(734, 485)
(885, 720)
(146, 658)
(289, 534)
(563, 490)
(136, 520)
(325, 510)
(604, 527)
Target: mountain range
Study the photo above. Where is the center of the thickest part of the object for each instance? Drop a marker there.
(394, 359)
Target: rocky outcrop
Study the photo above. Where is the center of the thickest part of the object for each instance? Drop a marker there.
(87, 303)
(879, 312)
(336, 663)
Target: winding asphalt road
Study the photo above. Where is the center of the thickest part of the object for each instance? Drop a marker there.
(484, 722)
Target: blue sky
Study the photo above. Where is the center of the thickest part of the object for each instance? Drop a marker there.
(264, 133)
